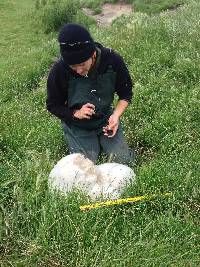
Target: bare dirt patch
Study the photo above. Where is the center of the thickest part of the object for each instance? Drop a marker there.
(109, 13)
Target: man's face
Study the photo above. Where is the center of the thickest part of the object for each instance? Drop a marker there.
(82, 68)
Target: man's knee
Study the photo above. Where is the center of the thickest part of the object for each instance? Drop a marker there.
(125, 157)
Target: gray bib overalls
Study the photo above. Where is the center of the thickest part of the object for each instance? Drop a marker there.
(86, 135)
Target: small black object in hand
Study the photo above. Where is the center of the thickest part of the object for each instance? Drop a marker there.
(109, 132)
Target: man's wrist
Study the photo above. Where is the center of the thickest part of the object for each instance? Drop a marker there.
(116, 114)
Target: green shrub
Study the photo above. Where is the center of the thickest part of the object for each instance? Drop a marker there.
(53, 14)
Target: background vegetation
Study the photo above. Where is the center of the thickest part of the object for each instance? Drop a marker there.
(38, 228)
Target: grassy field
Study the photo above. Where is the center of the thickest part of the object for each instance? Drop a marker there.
(38, 228)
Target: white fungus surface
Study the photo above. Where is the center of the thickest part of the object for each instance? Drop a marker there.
(105, 180)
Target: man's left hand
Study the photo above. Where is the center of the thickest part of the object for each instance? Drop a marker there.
(113, 124)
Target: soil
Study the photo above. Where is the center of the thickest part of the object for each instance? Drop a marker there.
(109, 13)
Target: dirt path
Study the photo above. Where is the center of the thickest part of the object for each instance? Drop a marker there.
(109, 13)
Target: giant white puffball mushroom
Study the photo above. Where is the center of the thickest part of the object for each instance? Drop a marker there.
(105, 180)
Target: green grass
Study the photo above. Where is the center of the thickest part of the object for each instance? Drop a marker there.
(24, 55)
(156, 6)
(26, 51)
(38, 228)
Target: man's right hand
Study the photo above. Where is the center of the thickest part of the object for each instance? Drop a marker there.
(85, 112)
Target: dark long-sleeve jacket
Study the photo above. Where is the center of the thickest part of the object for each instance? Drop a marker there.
(57, 83)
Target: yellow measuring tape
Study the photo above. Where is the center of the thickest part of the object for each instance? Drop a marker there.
(121, 201)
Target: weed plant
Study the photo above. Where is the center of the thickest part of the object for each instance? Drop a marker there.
(39, 228)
